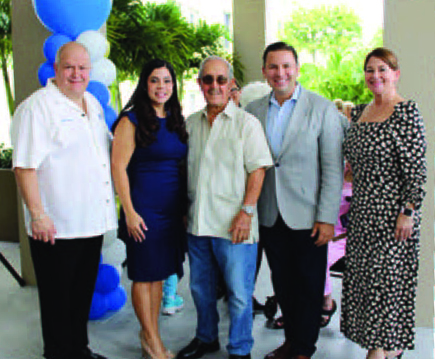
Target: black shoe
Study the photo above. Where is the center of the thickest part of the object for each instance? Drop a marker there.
(235, 356)
(256, 306)
(88, 354)
(277, 323)
(197, 348)
(270, 307)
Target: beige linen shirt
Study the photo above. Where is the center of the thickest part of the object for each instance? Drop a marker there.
(220, 158)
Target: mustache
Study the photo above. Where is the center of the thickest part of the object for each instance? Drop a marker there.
(214, 91)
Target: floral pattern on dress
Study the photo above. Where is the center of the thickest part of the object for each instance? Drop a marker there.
(379, 284)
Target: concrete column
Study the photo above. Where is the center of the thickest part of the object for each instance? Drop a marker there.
(28, 36)
(249, 24)
(409, 32)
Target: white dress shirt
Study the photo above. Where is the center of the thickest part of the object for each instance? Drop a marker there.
(70, 151)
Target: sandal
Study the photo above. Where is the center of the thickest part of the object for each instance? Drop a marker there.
(398, 356)
(327, 315)
(277, 323)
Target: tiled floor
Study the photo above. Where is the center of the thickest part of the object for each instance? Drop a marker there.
(116, 337)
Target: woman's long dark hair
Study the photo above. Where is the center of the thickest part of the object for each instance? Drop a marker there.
(141, 105)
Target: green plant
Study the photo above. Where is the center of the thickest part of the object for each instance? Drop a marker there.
(321, 29)
(139, 32)
(5, 156)
(332, 36)
(6, 49)
(342, 77)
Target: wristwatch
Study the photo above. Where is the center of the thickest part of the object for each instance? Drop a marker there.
(249, 210)
(407, 211)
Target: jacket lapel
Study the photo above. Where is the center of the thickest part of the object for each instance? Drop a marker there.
(296, 121)
(262, 111)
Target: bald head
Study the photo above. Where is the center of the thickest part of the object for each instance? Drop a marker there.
(72, 67)
(69, 46)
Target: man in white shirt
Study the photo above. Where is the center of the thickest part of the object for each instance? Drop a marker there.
(62, 167)
(227, 158)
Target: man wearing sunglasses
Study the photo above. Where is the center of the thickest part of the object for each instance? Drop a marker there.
(227, 159)
(300, 198)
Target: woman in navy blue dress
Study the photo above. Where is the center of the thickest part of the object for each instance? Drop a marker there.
(149, 148)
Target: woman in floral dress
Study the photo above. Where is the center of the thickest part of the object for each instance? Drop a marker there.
(385, 147)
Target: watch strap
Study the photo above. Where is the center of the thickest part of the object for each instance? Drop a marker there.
(407, 211)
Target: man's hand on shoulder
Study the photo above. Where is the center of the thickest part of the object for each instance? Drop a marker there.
(43, 229)
(325, 232)
(240, 227)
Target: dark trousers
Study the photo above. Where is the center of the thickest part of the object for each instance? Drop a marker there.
(298, 270)
(65, 275)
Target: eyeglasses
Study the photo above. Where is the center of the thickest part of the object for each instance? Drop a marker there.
(234, 89)
(209, 79)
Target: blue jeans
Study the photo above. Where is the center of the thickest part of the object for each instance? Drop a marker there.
(237, 263)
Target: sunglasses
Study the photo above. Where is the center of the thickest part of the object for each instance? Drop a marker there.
(209, 79)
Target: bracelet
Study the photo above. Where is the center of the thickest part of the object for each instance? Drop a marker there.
(42, 215)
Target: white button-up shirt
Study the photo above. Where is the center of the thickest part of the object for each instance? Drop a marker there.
(220, 158)
(70, 151)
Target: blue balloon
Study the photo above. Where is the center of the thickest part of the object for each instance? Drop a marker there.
(53, 44)
(72, 17)
(45, 72)
(110, 116)
(115, 300)
(99, 306)
(100, 91)
(107, 279)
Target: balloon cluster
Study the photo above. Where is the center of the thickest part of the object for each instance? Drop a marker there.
(109, 296)
(79, 20)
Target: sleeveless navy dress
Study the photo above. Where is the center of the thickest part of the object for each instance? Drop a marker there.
(158, 195)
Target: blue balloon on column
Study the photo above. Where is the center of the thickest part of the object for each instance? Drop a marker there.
(100, 91)
(53, 44)
(46, 71)
(107, 279)
(110, 116)
(72, 17)
(116, 299)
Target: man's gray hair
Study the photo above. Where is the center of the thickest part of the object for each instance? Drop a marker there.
(214, 57)
(60, 50)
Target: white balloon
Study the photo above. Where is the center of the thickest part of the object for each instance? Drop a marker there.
(95, 43)
(109, 238)
(103, 71)
(114, 254)
(118, 268)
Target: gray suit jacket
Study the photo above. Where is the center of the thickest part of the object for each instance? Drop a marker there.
(305, 185)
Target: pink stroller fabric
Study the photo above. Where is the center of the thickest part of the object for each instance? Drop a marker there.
(336, 250)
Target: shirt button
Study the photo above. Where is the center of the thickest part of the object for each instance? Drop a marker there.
(83, 115)
(107, 200)
(104, 165)
(107, 182)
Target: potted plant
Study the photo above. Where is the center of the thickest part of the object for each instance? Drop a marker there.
(8, 193)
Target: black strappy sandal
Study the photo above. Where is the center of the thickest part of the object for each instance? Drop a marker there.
(327, 315)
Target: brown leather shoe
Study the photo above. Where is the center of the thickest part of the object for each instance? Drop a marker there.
(282, 352)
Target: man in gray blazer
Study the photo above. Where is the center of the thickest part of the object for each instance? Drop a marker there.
(300, 199)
